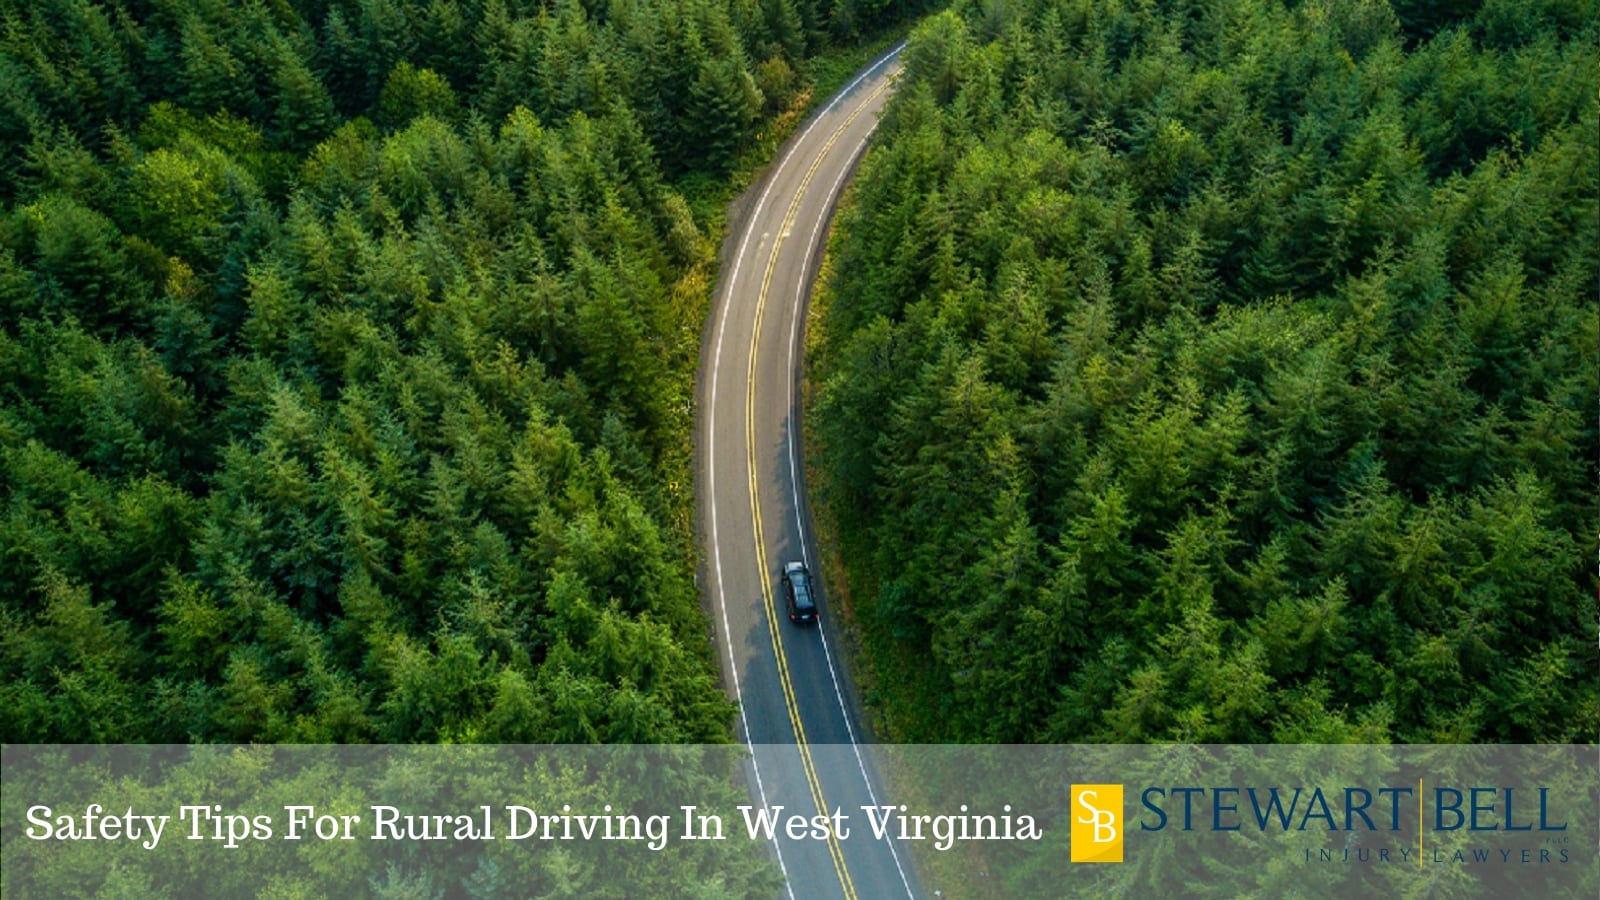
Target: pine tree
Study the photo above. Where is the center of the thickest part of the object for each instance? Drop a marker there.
(304, 112)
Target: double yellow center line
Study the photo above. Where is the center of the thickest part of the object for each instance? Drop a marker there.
(787, 685)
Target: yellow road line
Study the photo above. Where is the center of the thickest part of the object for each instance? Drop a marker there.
(785, 682)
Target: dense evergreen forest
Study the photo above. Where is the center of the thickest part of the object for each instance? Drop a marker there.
(345, 360)
(1224, 370)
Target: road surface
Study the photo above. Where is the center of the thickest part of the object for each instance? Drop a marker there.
(796, 706)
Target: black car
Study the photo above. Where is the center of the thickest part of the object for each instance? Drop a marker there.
(797, 588)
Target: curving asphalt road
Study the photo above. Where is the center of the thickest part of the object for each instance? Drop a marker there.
(796, 705)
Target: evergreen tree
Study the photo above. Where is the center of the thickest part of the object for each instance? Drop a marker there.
(1246, 353)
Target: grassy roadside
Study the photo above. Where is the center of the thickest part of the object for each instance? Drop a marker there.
(837, 580)
(827, 74)
(864, 646)
(824, 74)
(964, 870)
(832, 71)
(887, 676)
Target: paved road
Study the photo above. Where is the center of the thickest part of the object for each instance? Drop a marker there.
(796, 705)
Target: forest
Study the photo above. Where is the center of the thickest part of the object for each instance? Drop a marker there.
(1223, 371)
(346, 358)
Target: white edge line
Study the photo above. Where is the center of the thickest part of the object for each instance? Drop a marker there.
(794, 484)
(711, 438)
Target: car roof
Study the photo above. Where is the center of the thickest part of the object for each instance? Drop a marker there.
(800, 583)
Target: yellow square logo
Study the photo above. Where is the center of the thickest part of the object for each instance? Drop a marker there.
(1097, 823)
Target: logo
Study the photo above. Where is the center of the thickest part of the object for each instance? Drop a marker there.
(1097, 823)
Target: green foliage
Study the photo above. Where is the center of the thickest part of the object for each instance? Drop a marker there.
(343, 354)
(412, 92)
(688, 69)
(1224, 372)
